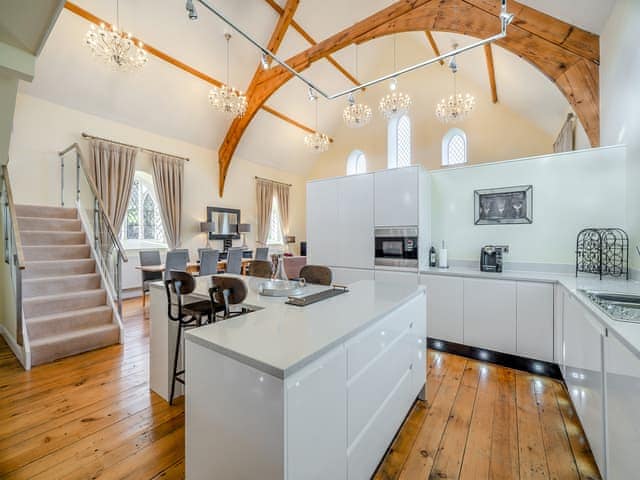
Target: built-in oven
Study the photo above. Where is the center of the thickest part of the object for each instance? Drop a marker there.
(396, 247)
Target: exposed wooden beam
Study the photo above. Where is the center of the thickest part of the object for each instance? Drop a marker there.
(566, 54)
(72, 7)
(488, 54)
(304, 34)
(434, 45)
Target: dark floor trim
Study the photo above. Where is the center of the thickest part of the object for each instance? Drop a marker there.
(506, 360)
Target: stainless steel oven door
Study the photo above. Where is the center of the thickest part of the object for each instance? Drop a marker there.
(396, 247)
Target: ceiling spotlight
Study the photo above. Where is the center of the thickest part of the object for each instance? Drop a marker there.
(311, 94)
(193, 14)
(393, 85)
(265, 60)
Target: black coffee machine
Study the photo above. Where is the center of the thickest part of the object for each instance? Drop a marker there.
(491, 257)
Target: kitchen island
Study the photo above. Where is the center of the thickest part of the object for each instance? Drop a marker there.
(291, 392)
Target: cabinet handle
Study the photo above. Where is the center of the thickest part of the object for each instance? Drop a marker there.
(411, 325)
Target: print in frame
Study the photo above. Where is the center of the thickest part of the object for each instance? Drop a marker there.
(504, 206)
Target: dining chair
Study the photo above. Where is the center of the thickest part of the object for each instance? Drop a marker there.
(318, 274)
(209, 262)
(234, 261)
(202, 249)
(176, 260)
(261, 268)
(262, 253)
(149, 258)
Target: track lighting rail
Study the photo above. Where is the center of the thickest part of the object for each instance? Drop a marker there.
(505, 19)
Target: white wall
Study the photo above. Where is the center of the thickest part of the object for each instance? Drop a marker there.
(571, 191)
(42, 128)
(620, 100)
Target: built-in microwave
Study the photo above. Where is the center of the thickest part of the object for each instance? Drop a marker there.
(396, 247)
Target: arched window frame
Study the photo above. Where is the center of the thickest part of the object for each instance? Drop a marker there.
(399, 148)
(356, 163)
(136, 225)
(450, 136)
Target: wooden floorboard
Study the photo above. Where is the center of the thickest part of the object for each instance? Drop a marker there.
(93, 416)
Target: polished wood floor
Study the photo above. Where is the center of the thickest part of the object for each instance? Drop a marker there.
(92, 416)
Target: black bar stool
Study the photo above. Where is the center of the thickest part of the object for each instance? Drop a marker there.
(227, 291)
(188, 315)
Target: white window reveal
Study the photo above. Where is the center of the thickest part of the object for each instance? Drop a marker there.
(454, 147)
(399, 141)
(275, 225)
(142, 227)
(356, 163)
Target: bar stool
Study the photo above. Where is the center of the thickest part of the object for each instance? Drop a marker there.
(261, 268)
(188, 316)
(226, 292)
(318, 274)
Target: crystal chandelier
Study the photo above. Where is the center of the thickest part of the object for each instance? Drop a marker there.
(356, 115)
(394, 103)
(114, 47)
(225, 98)
(458, 106)
(315, 141)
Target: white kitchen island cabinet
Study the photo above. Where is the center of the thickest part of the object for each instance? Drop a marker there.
(305, 393)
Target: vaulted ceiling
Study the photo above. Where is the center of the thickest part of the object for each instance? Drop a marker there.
(168, 101)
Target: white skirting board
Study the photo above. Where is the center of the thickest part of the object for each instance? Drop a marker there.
(23, 357)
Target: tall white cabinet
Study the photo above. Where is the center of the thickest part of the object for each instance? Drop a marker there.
(397, 197)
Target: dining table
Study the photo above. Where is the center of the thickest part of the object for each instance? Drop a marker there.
(194, 267)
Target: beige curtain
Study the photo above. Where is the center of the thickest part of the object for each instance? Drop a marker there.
(566, 141)
(168, 174)
(113, 167)
(282, 193)
(264, 204)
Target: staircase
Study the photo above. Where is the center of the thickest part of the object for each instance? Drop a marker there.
(65, 306)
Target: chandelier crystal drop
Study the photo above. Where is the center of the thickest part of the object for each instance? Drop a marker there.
(458, 106)
(116, 48)
(225, 98)
(394, 103)
(316, 142)
(356, 115)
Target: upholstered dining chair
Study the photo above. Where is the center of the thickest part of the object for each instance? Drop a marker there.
(149, 258)
(176, 260)
(318, 274)
(234, 261)
(209, 262)
(262, 253)
(261, 268)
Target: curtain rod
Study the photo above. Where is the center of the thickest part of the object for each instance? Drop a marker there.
(148, 150)
(273, 181)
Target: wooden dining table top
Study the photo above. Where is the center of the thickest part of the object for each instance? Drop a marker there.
(190, 265)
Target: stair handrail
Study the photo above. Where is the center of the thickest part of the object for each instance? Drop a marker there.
(13, 256)
(94, 190)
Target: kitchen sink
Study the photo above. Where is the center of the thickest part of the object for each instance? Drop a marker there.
(619, 306)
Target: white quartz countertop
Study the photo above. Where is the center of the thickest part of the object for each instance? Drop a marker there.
(280, 339)
(627, 333)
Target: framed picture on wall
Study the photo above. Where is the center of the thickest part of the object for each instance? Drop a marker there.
(504, 206)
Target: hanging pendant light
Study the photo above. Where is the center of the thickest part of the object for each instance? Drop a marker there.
(394, 103)
(356, 115)
(316, 142)
(457, 107)
(225, 98)
(115, 47)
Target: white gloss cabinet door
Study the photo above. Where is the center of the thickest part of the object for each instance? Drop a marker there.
(407, 278)
(535, 320)
(316, 420)
(322, 222)
(354, 235)
(444, 307)
(396, 197)
(584, 377)
(347, 276)
(623, 414)
(490, 314)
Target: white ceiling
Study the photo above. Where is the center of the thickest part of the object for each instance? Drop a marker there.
(168, 101)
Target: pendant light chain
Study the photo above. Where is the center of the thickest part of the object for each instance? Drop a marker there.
(228, 37)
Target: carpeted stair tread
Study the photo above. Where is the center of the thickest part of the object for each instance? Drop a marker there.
(37, 306)
(62, 322)
(52, 237)
(37, 287)
(53, 347)
(56, 252)
(45, 223)
(56, 268)
(45, 211)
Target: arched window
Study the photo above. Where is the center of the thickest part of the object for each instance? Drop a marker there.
(143, 223)
(454, 147)
(399, 142)
(356, 162)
